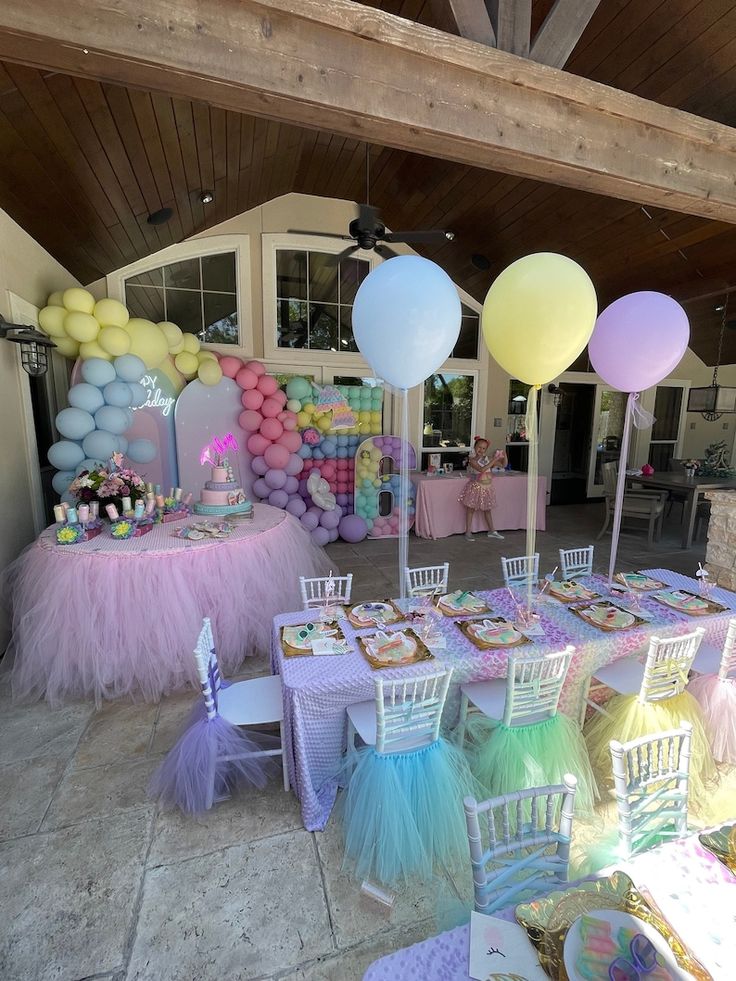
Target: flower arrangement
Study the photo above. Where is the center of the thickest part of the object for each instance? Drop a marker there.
(691, 465)
(69, 534)
(109, 484)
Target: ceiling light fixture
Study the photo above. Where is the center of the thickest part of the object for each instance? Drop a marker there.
(206, 197)
(33, 346)
(713, 400)
(480, 261)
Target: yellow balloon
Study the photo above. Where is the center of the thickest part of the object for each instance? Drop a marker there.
(173, 334)
(66, 346)
(324, 423)
(168, 368)
(51, 321)
(538, 316)
(114, 340)
(209, 371)
(91, 349)
(78, 299)
(187, 364)
(192, 343)
(206, 356)
(81, 327)
(56, 299)
(302, 419)
(148, 341)
(308, 408)
(111, 313)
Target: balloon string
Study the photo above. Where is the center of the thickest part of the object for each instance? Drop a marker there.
(621, 482)
(532, 480)
(404, 494)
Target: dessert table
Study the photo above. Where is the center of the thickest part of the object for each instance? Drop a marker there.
(694, 890)
(439, 513)
(317, 689)
(107, 618)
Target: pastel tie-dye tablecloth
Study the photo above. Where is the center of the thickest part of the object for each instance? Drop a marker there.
(317, 690)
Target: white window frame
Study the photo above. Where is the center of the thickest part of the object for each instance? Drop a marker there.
(449, 368)
(194, 249)
(676, 444)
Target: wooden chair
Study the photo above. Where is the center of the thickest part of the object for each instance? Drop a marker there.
(651, 779)
(315, 592)
(520, 571)
(576, 562)
(427, 580)
(523, 855)
(718, 660)
(645, 505)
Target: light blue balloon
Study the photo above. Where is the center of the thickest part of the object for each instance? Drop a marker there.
(342, 440)
(128, 416)
(122, 444)
(317, 454)
(305, 452)
(65, 455)
(117, 393)
(88, 465)
(67, 498)
(86, 396)
(61, 480)
(141, 451)
(129, 368)
(100, 444)
(138, 393)
(113, 420)
(74, 423)
(342, 453)
(328, 447)
(98, 372)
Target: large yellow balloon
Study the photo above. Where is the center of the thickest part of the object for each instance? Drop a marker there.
(187, 364)
(81, 327)
(168, 368)
(91, 349)
(56, 299)
(111, 313)
(147, 341)
(538, 316)
(192, 343)
(206, 356)
(78, 299)
(67, 347)
(51, 321)
(209, 372)
(173, 334)
(114, 340)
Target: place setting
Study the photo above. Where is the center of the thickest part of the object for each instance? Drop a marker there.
(315, 637)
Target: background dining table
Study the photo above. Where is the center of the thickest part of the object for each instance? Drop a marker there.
(692, 487)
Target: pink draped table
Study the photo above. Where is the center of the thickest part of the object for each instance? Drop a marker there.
(108, 618)
(696, 893)
(439, 513)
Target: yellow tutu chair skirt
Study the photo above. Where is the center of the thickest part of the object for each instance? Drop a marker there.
(628, 718)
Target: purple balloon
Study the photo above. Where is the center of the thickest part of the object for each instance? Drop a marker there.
(329, 519)
(334, 534)
(303, 488)
(310, 521)
(261, 488)
(353, 528)
(278, 499)
(315, 511)
(320, 536)
(342, 499)
(276, 479)
(295, 465)
(296, 506)
(259, 466)
(292, 485)
(638, 340)
(339, 511)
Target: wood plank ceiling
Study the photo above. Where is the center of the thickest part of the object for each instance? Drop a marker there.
(83, 164)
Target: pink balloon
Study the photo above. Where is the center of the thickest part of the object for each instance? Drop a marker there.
(638, 340)
(320, 536)
(251, 399)
(246, 378)
(276, 456)
(250, 420)
(230, 365)
(292, 441)
(297, 507)
(289, 424)
(275, 479)
(261, 488)
(270, 408)
(342, 464)
(256, 367)
(271, 429)
(294, 465)
(268, 385)
(257, 445)
(280, 396)
(259, 466)
(278, 499)
(281, 416)
(342, 487)
(309, 520)
(328, 471)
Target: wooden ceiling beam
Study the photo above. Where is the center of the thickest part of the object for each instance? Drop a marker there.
(561, 31)
(352, 70)
(512, 23)
(468, 18)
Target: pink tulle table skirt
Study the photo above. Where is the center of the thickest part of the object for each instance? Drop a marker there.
(110, 618)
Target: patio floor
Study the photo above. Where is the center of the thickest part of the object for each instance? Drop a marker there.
(97, 884)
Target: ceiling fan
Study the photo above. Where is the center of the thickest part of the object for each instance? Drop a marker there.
(368, 232)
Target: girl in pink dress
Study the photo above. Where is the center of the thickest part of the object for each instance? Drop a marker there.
(478, 494)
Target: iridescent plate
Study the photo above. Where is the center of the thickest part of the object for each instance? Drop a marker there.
(722, 843)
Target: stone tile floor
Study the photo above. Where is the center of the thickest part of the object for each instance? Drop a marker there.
(96, 883)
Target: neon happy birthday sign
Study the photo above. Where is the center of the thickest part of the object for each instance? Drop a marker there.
(219, 446)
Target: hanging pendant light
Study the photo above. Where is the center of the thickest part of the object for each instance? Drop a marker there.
(713, 400)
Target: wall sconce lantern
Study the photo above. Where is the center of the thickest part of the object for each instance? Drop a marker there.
(33, 346)
(557, 394)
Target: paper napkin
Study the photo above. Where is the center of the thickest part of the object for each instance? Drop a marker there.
(503, 948)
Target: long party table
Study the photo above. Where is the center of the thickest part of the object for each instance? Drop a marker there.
(106, 618)
(694, 890)
(439, 513)
(317, 690)
(693, 487)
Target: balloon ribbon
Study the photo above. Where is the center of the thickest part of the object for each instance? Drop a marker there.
(404, 494)
(532, 480)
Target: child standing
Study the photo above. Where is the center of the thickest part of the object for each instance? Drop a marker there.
(478, 494)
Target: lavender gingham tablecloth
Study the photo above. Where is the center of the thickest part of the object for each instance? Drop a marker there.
(695, 892)
(317, 690)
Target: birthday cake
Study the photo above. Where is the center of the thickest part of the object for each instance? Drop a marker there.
(221, 494)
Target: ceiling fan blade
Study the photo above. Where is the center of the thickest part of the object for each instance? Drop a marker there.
(345, 254)
(386, 252)
(430, 237)
(303, 231)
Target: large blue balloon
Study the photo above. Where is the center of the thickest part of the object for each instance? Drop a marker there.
(122, 444)
(141, 451)
(100, 444)
(89, 465)
(74, 423)
(86, 396)
(65, 455)
(129, 367)
(117, 393)
(61, 480)
(98, 372)
(138, 393)
(111, 419)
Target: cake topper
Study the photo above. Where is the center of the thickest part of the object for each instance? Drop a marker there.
(214, 452)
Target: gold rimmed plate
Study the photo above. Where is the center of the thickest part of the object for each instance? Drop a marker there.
(448, 604)
(722, 843)
(639, 581)
(292, 646)
(688, 603)
(415, 652)
(363, 615)
(571, 591)
(503, 636)
(607, 617)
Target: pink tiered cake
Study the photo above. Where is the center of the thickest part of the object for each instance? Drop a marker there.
(221, 494)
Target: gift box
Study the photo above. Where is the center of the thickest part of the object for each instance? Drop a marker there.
(176, 515)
